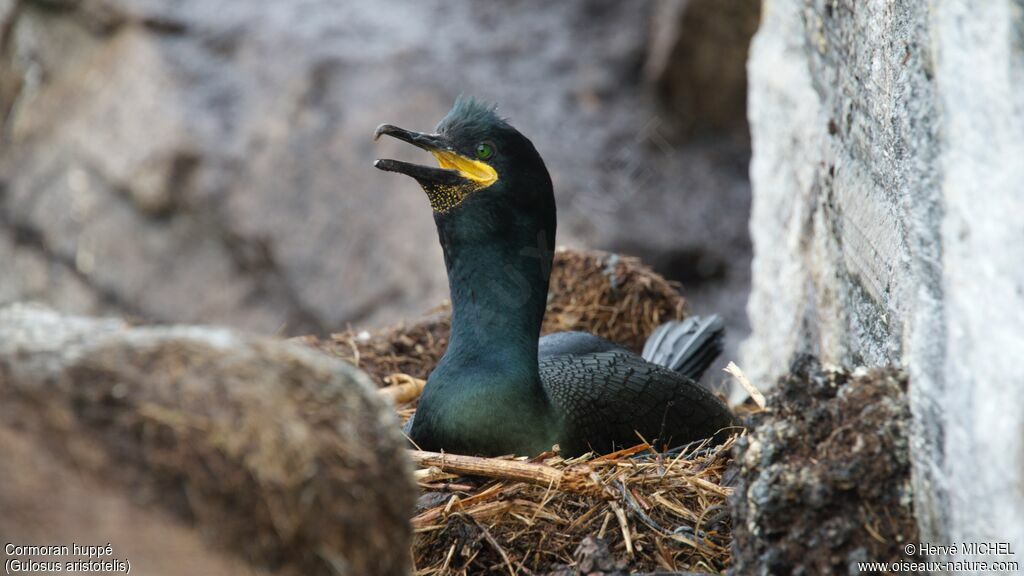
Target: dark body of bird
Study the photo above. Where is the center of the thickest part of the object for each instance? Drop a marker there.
(500, 388)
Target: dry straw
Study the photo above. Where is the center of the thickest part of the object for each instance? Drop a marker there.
(489, 515)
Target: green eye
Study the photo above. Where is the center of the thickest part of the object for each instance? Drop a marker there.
(484, 150)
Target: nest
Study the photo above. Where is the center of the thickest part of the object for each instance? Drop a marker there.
(634, 510)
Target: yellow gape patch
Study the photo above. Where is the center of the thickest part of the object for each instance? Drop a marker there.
(475, 171)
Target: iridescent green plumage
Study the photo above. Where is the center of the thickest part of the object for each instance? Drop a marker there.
(499, 388)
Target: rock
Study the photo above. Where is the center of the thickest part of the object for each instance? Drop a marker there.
(152, 148)
(282, 453)
(45, 499)
(887, 183)
(824, 475)
(698, 61)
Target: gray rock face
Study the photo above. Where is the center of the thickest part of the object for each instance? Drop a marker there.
(887, 188)
(288, 456)
(211, 161)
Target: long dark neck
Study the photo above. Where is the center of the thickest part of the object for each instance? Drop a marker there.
(498, 274)
(498, 298)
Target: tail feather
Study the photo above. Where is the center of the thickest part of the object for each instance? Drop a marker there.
(687, 346)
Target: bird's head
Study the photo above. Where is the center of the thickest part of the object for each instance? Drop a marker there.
(482, 161)
(495, 214)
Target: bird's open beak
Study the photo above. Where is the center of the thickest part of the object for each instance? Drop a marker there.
(454, 168)
(429, 142)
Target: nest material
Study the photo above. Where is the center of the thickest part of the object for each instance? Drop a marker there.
(634, 509)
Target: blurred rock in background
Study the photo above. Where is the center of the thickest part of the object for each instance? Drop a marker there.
(211, 161)
(697, 61)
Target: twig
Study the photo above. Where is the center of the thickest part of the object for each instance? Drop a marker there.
(620, 514)
(740, 377)
(604, 525)
(494, 544)
(574, 479)
(622, 453)
(402, 388)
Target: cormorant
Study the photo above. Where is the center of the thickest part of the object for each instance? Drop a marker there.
(500, 388)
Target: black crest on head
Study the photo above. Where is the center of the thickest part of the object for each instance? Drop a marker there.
(469, 117)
